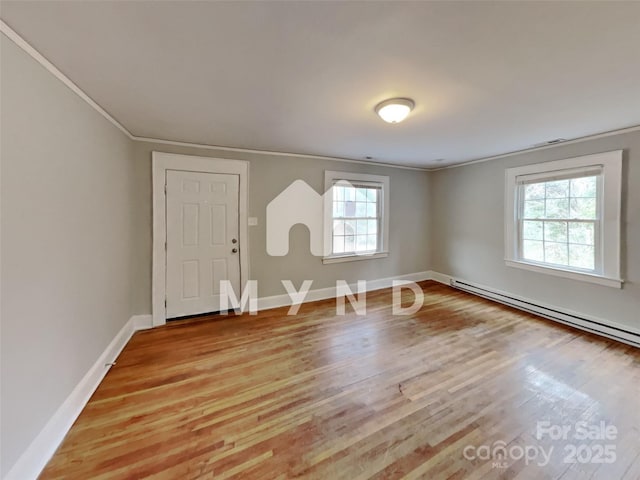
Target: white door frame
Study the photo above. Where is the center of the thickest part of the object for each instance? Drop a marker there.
(161, 162)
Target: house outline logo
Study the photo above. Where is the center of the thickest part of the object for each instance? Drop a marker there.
(299, 203)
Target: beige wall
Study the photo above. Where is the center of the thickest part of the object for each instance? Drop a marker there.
(268, 176)
(468, 232)
(66, 199)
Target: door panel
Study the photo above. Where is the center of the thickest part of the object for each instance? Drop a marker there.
(218, 218)
(202, 221)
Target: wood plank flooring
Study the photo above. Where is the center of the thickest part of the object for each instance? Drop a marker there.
(321, 396)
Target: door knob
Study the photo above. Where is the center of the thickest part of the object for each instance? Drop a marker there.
(235, 250)
(233, 240)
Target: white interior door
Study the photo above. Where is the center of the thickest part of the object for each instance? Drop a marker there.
(202, 240)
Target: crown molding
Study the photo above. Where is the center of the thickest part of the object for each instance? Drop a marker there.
(38, 57)
(594, 136)
(51, 68)
(280, 154)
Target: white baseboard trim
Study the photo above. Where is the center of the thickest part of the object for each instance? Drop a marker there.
(589, 323)
(35, 457)
(275, 301)
(141, 322)
(440, 278)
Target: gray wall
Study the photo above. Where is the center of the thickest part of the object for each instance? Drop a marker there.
(67, 190)
(268, 176)
(76, 236)
(468, 232)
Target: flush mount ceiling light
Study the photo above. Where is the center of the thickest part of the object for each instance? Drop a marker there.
(394, 110)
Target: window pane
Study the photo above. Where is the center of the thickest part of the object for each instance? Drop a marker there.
(373, 226)
(534, 191)
(533, 250)
(582, 256)
(361, 243)
(338, 209)
(580, 232)
(372, 194)
(349, 209)
(349, 227)
(556, 253)
(361, 227)
(532, 230)
(361, 209)
(350, 194)
(361, 194)
(557, 189)
(583, 187)
(555, 231)
(557, 208)
(372, 211)
(338, 244)
(534, 209)
(372, 242)
(338, 227)
(583, 208)
(338, 193)
(349, 243)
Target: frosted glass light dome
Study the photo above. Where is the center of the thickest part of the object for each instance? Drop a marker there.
(395, 110)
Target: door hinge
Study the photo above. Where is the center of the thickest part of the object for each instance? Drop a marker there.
(165, 188)
(165, 303)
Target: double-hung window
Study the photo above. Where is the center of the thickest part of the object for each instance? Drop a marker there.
(563, 217)
(356, 216)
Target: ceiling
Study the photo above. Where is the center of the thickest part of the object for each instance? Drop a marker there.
(304, 77)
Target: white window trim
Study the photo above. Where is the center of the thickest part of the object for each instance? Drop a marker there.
(611, 191)
(330, 177)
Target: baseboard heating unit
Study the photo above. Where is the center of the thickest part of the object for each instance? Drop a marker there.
(618, 332)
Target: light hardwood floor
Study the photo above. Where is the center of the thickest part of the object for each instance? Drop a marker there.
(353, 397)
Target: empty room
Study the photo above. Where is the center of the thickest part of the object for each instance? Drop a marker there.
(319, 240)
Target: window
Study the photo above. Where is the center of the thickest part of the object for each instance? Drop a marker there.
(356, 218)
(563, 218)
(356, 206)
(559, 221)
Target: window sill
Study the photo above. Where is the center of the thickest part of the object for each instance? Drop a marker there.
(353, 258)
(558, 272)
